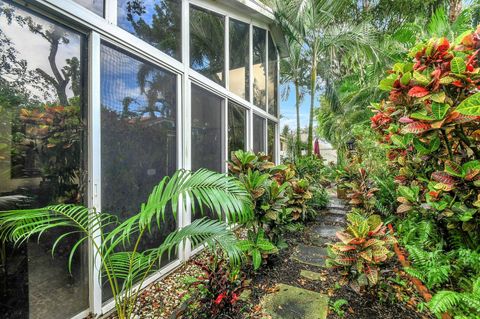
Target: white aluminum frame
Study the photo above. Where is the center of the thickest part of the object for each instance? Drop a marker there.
(105, 29)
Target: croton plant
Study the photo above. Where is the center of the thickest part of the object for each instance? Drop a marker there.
(431, 124)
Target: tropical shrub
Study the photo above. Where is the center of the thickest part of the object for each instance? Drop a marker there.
(279, 197)
(216, 292)
(431, 125)
(363, 248)
(257, 247)
(122, 263)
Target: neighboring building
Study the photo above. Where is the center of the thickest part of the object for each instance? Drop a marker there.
(327, 152)
(101, 99)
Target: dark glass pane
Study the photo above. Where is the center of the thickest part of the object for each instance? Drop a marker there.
(42, 160)
(158, 22)
(259, 67)
(207, 133)
(207, 49)
(239, 58)
(258, 133)
(272, 77)
(271, 140)
(139, 141)
(237, 123)
(97, 6)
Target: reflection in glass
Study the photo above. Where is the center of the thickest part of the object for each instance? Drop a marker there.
(158, 22)
(42, 152)
(272, 77)
(207, 49)
(239, 58)
(259, 67)
(97, 6)
(237, 124)
(258, 134)
(138, 136)
(271, 126)
(207, 134)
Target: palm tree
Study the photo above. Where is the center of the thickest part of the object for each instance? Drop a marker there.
(293, 70)
(316, 26)
(121, 265)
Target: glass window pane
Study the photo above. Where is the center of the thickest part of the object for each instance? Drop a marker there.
(272, 77)
(139, 139)
(239, 58)
(207, 133)
(97, 6)
(42, 159)
(207, 49)
(158, 22)
(271, 140)
(259, 67)
(258, 134)
(237, 124)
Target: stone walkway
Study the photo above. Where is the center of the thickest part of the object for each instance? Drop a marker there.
(289, 302)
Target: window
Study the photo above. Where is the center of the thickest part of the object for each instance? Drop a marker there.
(239, 76)
(207, 44)
(258, 134)
(42, 159)
(272, 127)
(207, 132)
(259, 67)
(272, 77)
(156, 22)
(138, 138)
(97, 6)
(237, 127)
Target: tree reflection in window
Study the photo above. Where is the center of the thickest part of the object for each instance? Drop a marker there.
(239, 76)
(237, 127)
(42, 152)
(157, 22)
(259, 67)
(272, 77)
(207, 44)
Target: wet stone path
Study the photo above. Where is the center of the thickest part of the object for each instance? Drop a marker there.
(289, 302)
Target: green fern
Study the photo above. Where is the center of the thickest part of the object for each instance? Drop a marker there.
(459, 304)
(432, 267)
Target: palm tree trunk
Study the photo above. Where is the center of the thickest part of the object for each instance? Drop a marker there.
(297, 106)
(313, 85)
(455, 9)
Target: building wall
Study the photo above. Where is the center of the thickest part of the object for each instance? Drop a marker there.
(98, 104)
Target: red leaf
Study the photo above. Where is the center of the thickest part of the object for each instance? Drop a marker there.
(418, 91)
(444, 45)
(444, 178)
(405, 120)
(416, 128)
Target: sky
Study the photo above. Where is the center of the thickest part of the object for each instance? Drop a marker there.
(288, 112)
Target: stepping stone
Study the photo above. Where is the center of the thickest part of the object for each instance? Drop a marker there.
(310, 255)
(319, 241)
(326, 231)
(311, 275)
(331, 219)
(295, 303)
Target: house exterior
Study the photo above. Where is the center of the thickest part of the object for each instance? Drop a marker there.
(101, 99)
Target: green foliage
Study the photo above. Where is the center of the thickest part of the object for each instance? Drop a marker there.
(279, 196)
(363, 248)
(122, 263)
(337, 306)
(432, 267)
(460, 304)
(256, 247)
